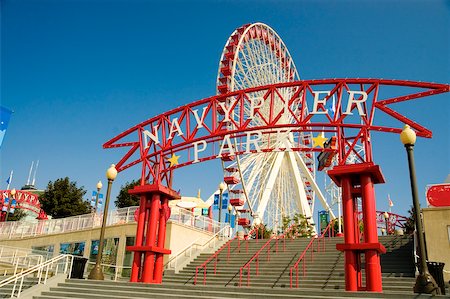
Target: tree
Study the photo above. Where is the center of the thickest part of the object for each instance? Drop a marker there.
(297, 226)
(18, 214)
(410, 225)
(63, 198)
(124, 199)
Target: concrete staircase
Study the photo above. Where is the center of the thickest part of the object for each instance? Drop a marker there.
(324, 279)
(6, 291)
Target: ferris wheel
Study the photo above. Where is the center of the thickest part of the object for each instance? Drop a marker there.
(267, 185)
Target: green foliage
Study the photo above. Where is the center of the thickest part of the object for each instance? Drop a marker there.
(335, 224)
(300, 227)
(18, 214)
(63, 198)
(264, 232)
(124, 199)
(410, 224)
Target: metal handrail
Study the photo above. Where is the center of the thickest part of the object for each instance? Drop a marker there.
(283, 236)
(303, 255)
(254, 257)
(39, 269)
(21, 229)
(189, 247)
(214, 256)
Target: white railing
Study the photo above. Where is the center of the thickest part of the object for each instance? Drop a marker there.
(186, 255)
(62, 263)
(15, 259)
(22, 229)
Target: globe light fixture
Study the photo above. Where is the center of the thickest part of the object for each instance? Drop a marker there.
(425, 283)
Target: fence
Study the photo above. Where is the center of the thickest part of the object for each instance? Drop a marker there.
(22, 229)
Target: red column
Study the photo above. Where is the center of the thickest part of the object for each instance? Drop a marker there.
(357, 181)
(161, 240)
(139, 239)
(351, 265)
(153, 215)
(149, 256)
(373, 268)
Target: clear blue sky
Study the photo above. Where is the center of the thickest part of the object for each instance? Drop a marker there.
(77, 73)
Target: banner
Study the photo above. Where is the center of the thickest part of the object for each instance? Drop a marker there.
(323, 220)
(233, 219)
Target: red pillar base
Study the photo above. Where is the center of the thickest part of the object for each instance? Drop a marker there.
(151, 232)
(357, 181)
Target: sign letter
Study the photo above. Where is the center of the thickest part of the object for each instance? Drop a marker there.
(198, 119)
(198, 150)
(352, 100)
(318, 101)
(254, 141)
(175, 127)
(227, 111)
(255, 103)
(154, 137)
(226, 144)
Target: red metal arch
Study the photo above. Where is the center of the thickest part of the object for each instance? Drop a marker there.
(179, 129)
(24, 201)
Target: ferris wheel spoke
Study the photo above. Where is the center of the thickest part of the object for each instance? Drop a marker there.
(314, 185)
(275, 168)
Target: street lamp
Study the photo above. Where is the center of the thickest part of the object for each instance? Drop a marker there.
(13, 193)
(386, 218)
(222, 187)
(96, 272)
(383, 231)
(99, 186)
(425, 283)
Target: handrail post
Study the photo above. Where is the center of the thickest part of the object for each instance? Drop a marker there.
(204, 275)
(240, 277)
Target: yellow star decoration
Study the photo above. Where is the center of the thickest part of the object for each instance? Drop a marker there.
(173, 160)
(319, 140)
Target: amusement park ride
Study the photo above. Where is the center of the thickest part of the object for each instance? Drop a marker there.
(266, 125)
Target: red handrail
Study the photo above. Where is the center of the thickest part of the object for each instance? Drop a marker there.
(310, 245)
(214, 256)
(255, 256)
(283, 236)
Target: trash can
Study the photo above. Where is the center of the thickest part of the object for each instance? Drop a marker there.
(78, 267)
(437, 271)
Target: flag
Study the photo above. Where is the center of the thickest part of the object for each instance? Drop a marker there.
(216, 202)
(391, 204)
(233, 219)
(12, 207)
(5, 115)
(224, 200)
(8, 180)
(331, 107)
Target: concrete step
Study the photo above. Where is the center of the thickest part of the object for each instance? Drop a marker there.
(121, 290)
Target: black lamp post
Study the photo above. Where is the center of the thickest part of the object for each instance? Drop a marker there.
(425, 283)
(96, 272)
(386, 219)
